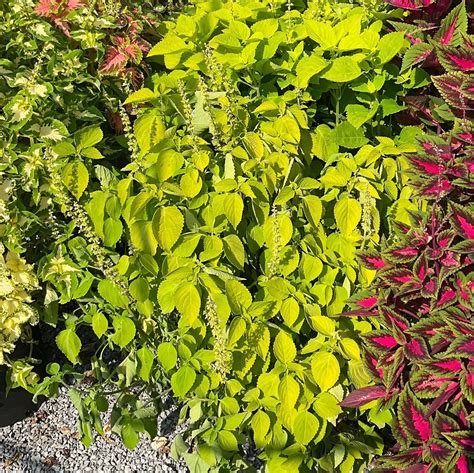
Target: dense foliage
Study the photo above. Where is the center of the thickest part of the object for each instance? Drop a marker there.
(422, 355)
(198, 239)
(55, 79)
(253, 182)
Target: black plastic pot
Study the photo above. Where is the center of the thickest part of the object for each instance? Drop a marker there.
(18, 404)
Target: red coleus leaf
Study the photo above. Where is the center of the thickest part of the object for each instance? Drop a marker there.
(372, 365)
(435, 146)
(456, 59)
(368, 302)
(412, 416)
(400, 276)
(57, 8)
(453, 26)
(463, 346)
(410, 4)
(463, 221)
(443, 423)
(467, 385)
(440, 451)
(372, 260)
(447, 296)
(381, 340)
(393, 319)
(462, 465)
(463, 439)
(453, 87)
(363, 396)
(447, 366)
(417, 468)
(428, 165)
(437, 187)
(416, 349)
(115, 60)
(416, 54)
(442, 399)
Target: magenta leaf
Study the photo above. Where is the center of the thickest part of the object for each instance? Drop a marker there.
(453, 26)
(412, 416)
(372, 260)
(363, 396)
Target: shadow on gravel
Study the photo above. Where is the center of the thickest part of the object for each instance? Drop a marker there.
(19, 459)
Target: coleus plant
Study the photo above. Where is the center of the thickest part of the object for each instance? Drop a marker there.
(422, 354)
(438, 31)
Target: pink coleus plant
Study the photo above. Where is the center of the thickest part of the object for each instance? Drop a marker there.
(422, 356)
(57, 11)
(440, 43)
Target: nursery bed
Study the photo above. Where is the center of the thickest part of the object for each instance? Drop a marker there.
(47, 441)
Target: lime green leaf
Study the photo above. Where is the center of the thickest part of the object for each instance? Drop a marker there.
(312, 208)
(234, 251)
(357, 114)
(168, 164)
(112, 293)
(142, 95)
(188, 302)
(64, 148)
(327, 406)
(342, 69)
(70, 344)
(182, 381)
(254, 145)
(171, 43)
(88, 137)
(238, 296)
(167, 355)
(389, 45)
(149, 131)
(324, 325)
(348, 136)
(287, 129)
(350, 348)
(125, 330)
(307, 67)
(236, 330)
(323, 144)
(92, 153)
(322, 33)
(100, 324)
(305, 427)
(129, 436)
(348, 213)
(284, 348)
(261, 425)
(289, 391)
(167, 226)
(76, 178)
(143, 237)
(233, 208)
(310, 267)
(146, 357)
(325, 370)
(227, 441)
(112, 231)
(139, 289)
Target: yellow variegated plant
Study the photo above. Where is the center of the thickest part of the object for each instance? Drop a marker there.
(17, 280)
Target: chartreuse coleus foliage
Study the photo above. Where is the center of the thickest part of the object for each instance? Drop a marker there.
(261, 161)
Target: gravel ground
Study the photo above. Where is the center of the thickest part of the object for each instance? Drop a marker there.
(48, 442)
